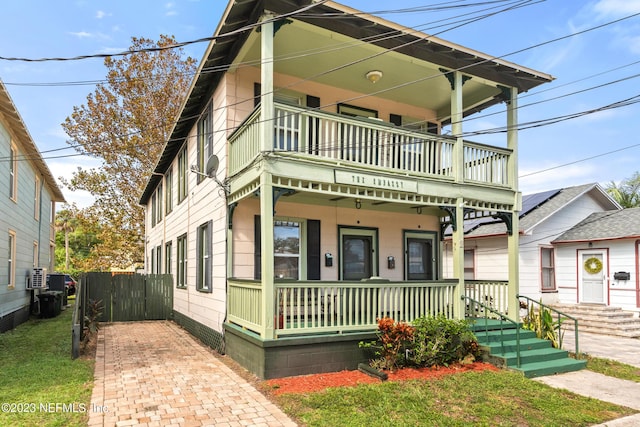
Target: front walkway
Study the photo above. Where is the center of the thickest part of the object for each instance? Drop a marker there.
(156, 374)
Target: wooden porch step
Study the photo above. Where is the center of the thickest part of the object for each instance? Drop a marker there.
(537, 356)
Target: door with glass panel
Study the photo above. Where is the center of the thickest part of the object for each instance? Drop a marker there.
(357, 253)
(420, 256)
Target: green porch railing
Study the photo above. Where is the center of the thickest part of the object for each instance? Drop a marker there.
(561, 318)
(475, 307)
(492, 293)
(369, 143)
(311, 307)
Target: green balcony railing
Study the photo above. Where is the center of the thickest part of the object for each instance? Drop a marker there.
(367, 142)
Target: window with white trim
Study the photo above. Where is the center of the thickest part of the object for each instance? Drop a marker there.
(286, 249)
(547, 269)
(11, 260)
(205, 141)
(183, 168)
(13, 173)
(469, 264)
(36, 254)
(36, 199)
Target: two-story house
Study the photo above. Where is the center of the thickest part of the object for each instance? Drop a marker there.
(306, 184)
(28, 193)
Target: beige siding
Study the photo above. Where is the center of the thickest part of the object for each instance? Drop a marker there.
(390, 233)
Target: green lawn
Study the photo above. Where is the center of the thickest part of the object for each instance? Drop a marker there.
(46, 388)
(40, 385)
(466, 399)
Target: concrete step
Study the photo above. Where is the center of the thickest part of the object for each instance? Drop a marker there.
(600, 319)
(552, 367)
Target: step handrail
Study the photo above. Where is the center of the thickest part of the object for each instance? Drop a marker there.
(560, 321)
(503, 318)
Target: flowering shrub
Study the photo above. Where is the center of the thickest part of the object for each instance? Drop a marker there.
(392, 338)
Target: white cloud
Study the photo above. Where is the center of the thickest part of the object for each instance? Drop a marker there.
(616, 8)
(65, 168)
(81, 34)
(101, 14)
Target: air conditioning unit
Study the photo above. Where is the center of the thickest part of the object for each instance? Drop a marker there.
(38, 279)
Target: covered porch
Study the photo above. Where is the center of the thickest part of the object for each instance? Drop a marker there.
(307, 308)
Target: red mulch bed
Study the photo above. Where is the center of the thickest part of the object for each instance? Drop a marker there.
(318, 382)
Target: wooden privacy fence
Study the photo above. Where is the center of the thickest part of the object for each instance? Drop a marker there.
(125, 297)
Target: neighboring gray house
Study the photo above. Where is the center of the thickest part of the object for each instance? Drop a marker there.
(544, 217)
(28, 193)
(597, 260)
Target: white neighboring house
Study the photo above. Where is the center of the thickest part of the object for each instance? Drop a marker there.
(543, 218)
(597, 260)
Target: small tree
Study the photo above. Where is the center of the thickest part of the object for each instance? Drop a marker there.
(627, 193)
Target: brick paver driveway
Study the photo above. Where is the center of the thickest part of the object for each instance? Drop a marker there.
(156, 374)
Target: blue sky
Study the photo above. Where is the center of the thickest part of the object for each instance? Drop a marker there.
(551, 156)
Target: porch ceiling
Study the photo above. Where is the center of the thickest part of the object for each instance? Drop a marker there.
(313, 53)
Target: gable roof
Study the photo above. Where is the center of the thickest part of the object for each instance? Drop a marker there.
(31, 153)
(538, 207)
(610, 225)
(322, 17)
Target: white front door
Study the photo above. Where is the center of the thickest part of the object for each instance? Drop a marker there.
(592, 276)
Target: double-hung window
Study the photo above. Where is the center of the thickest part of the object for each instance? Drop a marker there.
(36, 201)
(11, 257)
(167, 257)
(547, 270)
(205, 141)
(181, 261)
(13, 173)
(203, 249)
(168, 191)
(183, 168)
(286, 249)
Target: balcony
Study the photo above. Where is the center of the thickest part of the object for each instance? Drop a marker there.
(333, 139)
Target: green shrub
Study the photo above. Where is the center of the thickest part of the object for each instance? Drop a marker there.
(438, 341)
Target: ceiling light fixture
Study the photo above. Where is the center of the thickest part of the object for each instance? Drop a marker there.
(373, 76)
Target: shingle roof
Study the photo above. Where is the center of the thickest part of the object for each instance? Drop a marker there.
(537, 207)
(609, 225)
(9, 111)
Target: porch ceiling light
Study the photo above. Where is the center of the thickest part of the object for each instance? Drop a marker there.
(374, 75)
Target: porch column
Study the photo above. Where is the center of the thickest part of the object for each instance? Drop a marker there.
(266, 182)
(457, 246)
(457, 239)
(266, 85)
(266, 236)
(513, 240)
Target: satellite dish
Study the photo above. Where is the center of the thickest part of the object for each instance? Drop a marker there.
(212, 165)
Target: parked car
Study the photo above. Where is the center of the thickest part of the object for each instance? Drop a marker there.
(69, 284)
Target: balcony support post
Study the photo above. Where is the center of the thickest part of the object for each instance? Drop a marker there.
(266, 180)
(266, 85)
(513, 239)
(456, 126)
(458, 174)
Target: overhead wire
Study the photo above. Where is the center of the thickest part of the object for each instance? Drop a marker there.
(549, 121)
(378, 38)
